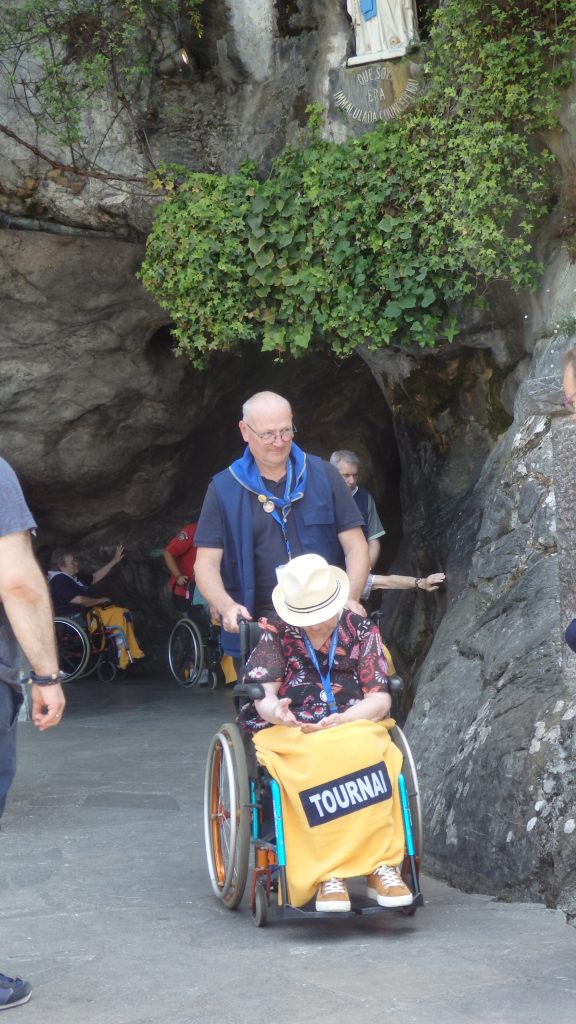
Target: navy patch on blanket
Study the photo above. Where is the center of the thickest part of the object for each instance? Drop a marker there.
(349, 793)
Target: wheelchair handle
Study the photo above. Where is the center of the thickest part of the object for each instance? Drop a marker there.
(396, 684)
(249, 635)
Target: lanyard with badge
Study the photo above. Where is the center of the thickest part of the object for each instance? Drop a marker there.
(326, 693)
(269, 502)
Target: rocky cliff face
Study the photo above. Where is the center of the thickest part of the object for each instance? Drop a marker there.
(115, 440)
(251, 76)
(494, 699)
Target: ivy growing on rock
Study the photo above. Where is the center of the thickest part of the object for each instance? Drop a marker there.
(372, 240)
(58, 58)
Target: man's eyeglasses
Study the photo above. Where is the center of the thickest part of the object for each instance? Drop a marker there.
(269, 436)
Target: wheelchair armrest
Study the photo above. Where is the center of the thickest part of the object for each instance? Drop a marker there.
(253, 691)
(396, 684)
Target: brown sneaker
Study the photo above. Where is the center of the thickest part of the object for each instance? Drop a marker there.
(385, 885)
(333, 895)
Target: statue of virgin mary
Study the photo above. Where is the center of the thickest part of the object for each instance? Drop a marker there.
(384, 29)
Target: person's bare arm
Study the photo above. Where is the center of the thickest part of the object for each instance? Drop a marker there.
(209, 582)
(373, 708)
(26, 599)
(355, 548)
(105, 569)
(172, 566)
(89, 602)
(374, 550)
(431, 582)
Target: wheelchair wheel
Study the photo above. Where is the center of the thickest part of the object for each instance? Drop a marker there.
(260, 909)
(185, 653)
(106, 670)
(411, 779)
(227, 815)
(216, 677)
(73, 647)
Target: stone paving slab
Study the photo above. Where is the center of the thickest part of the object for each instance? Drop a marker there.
(106, 906)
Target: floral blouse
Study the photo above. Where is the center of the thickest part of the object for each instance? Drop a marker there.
(359, 668)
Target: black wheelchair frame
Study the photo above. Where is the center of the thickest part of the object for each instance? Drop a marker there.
(243, 815)
(82, 650)
(194, 645)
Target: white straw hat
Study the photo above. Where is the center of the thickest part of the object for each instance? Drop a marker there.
(310, 591)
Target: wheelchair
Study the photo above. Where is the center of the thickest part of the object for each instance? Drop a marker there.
(85, 645)
(194, 645)
(243, 826)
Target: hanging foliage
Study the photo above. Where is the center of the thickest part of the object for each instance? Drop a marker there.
(372, 240)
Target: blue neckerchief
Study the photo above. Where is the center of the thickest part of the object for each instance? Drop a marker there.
(326, 684)
(246, 472)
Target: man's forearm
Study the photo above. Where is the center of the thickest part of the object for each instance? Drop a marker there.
(373, 551)
(357, 569)
(210, 584)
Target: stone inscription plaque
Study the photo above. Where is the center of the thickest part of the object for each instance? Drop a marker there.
(380, 91)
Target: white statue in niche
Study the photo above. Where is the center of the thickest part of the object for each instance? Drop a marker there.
(384, 29)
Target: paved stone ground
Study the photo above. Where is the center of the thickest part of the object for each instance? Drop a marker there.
(106, 905)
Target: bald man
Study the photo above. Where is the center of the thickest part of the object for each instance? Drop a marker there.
(272, 504)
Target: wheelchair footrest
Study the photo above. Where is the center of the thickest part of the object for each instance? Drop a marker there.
(358, 909)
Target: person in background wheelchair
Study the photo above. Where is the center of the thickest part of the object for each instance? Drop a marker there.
(179, 558)
(70, 592)
(324, 668)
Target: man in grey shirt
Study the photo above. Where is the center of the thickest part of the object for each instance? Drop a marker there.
(26, 622)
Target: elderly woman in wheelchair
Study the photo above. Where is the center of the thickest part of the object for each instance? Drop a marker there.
(328, 759)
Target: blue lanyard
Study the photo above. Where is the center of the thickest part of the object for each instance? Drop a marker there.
(327, 685)
(285, 505)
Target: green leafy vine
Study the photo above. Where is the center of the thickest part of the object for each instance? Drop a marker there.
(372, 240)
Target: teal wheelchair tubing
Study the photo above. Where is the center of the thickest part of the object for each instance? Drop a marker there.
(407, 817)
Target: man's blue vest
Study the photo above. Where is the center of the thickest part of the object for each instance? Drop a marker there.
(315, 522)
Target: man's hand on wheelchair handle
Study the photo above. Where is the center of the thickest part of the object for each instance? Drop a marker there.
(356, 607)
(231, 617)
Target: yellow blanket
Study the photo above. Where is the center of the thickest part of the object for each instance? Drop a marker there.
(340, 803)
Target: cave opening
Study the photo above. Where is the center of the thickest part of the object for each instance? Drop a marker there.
(335, 405)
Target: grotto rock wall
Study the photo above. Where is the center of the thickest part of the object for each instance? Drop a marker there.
(488, 482)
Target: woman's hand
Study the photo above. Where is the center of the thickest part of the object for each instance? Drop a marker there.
(119, 554)
(282, 713)
(276, 710)
(325, 723)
